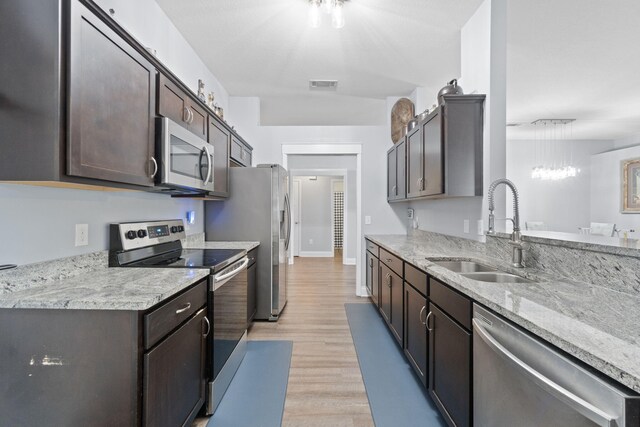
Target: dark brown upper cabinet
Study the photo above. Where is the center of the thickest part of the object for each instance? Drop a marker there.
(220, 138)
(111, 104)
(179, 106)
(396, 172)
(241, 152)
(443, 153)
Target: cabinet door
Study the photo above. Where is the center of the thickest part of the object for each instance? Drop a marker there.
(392, 186)
(385, 292)
(415, 171)
(111, 104)
(401, 170)
(251, 292)
(174, 375)
(415, 331)
(433, 156)
(220, 138)
(450, 367)
(375, 281)
(397, 306)
(238, 152)
(198, 123)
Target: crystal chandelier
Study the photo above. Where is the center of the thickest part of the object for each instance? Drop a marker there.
(553, 159)
(330, 7)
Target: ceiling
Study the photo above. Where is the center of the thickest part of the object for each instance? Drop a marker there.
(574, 59)
(267, 49)
(565, 58)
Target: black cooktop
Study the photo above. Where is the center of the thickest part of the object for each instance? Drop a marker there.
(215, 259)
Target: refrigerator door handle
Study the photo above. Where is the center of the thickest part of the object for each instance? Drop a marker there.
(287, 208)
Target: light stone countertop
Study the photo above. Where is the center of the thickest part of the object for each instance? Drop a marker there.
(86, 282)
(599, 326)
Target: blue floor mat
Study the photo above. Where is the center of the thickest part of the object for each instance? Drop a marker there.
(255, 397)
(396, 396)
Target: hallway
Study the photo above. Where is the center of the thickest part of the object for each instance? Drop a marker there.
(325, 384)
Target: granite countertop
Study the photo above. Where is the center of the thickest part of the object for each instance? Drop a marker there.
(599, 326)
(86, 282)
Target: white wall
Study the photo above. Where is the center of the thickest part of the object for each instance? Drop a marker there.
(483, 71)
(40, 222)
(562, 205)
(606, 189)
(344, 162)
(148, 23)
(315, 216)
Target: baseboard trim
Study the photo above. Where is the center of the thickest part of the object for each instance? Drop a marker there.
(316, 254)
(349, 261)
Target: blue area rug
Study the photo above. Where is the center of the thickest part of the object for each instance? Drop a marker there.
(256, 394)
(396, 396)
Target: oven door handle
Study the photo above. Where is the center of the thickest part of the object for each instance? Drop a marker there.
(226, 276)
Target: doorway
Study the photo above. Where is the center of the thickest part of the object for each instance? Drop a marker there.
(321, 159)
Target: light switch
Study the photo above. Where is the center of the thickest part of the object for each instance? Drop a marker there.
(367, 220)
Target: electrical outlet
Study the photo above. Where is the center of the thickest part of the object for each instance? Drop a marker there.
(367, 220)
(466, 226)
(82, 234)
(311, 241)
(480, 228)
(410, 213)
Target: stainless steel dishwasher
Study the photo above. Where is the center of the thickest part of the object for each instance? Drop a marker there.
(521, 381)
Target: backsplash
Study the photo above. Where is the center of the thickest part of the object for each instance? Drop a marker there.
(609, 270)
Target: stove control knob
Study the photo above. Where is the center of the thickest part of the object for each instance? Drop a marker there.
(142, 233)
(174, 229)
(131, 234)
(180, 228)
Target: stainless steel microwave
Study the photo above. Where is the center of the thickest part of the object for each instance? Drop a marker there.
(186, 160)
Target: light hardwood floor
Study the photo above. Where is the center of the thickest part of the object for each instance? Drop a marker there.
(325, 385)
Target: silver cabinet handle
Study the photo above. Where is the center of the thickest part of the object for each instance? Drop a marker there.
(155, 167)
(389, 260)
(389, 279)
(420, 315)
(394, 190)
(186, 307)
(585, 408)
(209, 165)
(370, 262)
(426, 322)
(208, 327)
(185, 115)
(190, 115)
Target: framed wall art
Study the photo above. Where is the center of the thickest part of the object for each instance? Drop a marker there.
(631, 186)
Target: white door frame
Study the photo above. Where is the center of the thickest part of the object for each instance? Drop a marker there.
(296, 208)
(329, 149)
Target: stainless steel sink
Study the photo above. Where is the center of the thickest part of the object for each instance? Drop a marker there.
(496, 277)
(463, 266)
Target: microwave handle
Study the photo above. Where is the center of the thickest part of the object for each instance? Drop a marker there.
(209, 165)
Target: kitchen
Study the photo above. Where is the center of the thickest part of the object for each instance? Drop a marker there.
(109, 92)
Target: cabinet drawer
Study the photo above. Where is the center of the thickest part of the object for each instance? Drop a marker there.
(416, 278)
(392, 261)
(454, 304)
(373, 248)
(239, 152)
(164, 319)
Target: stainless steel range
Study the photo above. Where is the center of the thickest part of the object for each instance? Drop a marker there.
(157, 244)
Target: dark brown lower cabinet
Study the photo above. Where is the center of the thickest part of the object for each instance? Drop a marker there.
(449, 367)
(415, 331)
(174, 376)
(385, 292)
(373, 282)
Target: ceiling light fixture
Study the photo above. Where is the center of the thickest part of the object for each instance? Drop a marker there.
(554, 161)
(332, 7)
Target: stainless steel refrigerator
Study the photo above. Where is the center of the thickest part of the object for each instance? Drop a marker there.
(258, 210)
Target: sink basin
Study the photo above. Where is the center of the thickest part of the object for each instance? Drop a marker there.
(463, 266)
(496, 277)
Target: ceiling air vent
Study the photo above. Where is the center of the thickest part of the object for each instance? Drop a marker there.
(323, 84)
